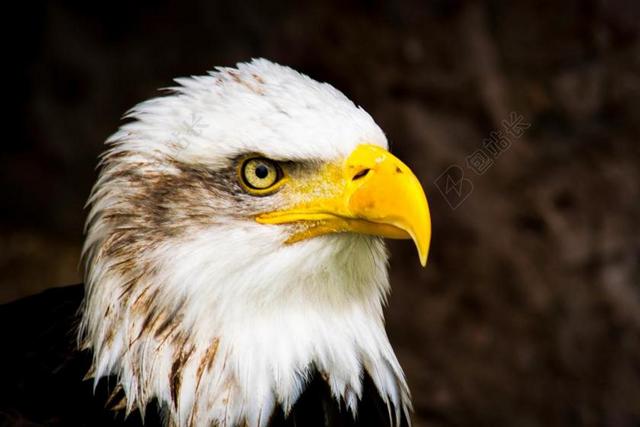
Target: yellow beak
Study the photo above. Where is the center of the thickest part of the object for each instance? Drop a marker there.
(372, 192)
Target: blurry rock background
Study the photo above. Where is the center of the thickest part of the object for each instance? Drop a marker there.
(528, 313)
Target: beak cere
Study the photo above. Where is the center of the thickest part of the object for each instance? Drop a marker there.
(372, 193)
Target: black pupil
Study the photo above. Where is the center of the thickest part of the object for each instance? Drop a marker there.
(262, 171)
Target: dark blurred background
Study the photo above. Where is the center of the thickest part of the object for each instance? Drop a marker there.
(528, 313)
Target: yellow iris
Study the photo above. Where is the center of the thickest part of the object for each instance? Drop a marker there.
(259, 175)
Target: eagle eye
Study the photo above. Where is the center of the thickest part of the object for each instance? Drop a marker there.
(259, 174)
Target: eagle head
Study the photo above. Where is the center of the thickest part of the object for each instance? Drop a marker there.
(233, 247)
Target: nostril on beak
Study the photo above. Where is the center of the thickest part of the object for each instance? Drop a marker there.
(361, 174)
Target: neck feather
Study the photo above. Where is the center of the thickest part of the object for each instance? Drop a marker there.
(222, 330)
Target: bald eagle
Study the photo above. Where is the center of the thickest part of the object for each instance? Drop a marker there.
(235, 272)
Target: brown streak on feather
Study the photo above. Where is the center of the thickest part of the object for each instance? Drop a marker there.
(175, 377)
(90, 373)
(122, 404)
(111, 332)
(168, 320)
(139, 303)
(145, 301)
(116, 399)
(207, 360)
(236, 77)
(211, 353)
(149, 320)
(171, 331)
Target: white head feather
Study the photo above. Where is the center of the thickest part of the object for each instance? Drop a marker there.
(192, 302)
